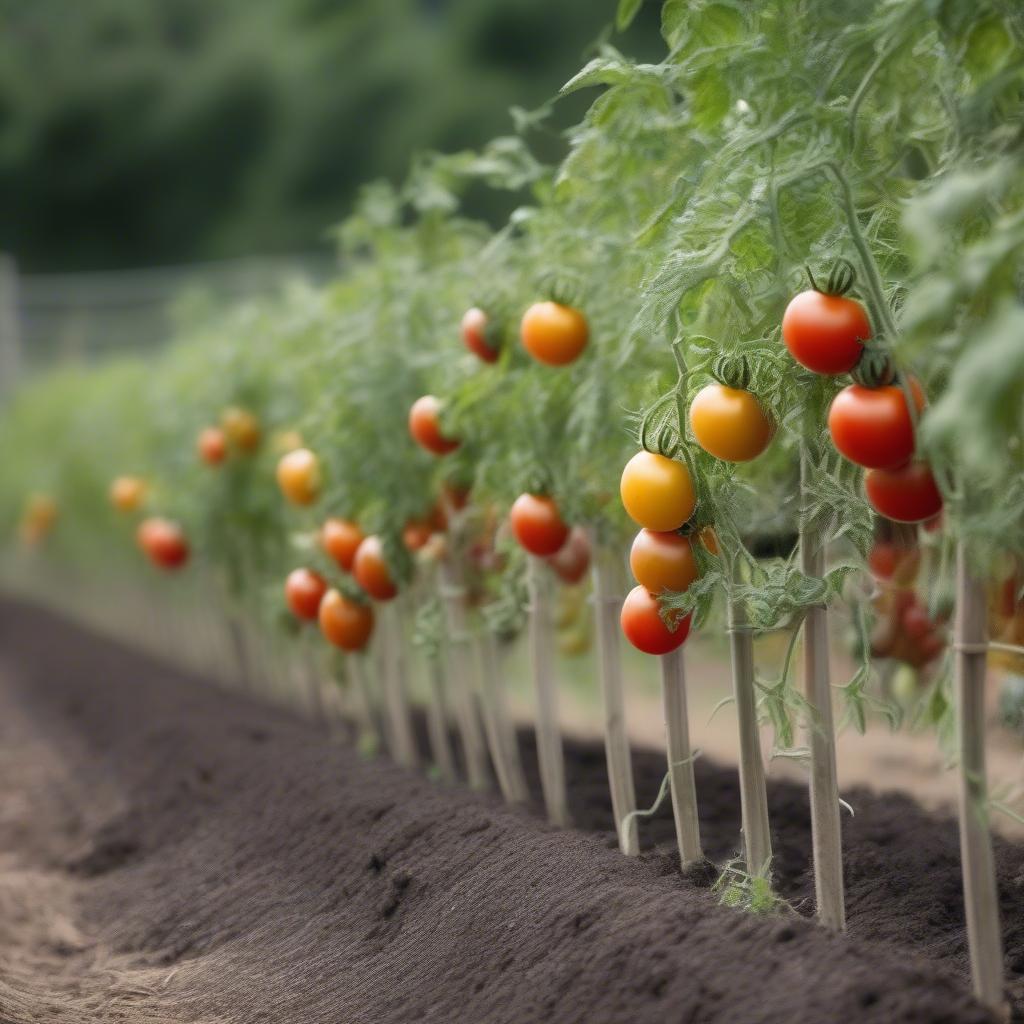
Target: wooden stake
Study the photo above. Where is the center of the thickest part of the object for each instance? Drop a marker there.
(501, 737)
(370, 714)
(437, 722)
(396, 695)
(680, 758)
(981, 898)
(757, 843)
(549, 736)
(607, 601)
(474, 749)
(826, 831)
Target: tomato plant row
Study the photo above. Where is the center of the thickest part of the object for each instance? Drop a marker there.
(772, 289)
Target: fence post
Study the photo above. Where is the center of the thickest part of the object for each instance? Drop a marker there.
(10, 338)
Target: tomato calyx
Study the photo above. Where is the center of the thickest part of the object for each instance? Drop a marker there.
(840, 280)
(875, 369)
(733, 371)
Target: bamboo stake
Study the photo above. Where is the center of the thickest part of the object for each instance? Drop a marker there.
(609, 670)
(396, 695)
(981, 898)
(549, 738)
(474, 748)
(680, 758)
(501, 737)
(757, 842)
(826, 830)
(437, 722)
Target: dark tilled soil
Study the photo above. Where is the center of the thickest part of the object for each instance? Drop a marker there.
(171, 853)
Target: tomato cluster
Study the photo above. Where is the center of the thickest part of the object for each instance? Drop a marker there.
(871, 422)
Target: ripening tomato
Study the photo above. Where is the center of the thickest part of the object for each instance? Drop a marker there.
(644, 627)
(554, 334)
(474, 327)
(163, 541)
(242, 428)
(572, 560)
(657, 492)
(872, 426)
(905, 495)
(345, 623)
(38, 518)
(212, 445)
(825, 333)
(662, 561)
(341, 538)
(127, 493)
(371, 570)
(895, 562)
(304, 590)
(425, 427)
(416, 534)
(537, 524)
(730, 423)
(915, 621)
(299, 476)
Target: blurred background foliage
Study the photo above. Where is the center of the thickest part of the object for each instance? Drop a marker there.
(147, 132)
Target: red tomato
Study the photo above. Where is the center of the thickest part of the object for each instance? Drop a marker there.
(915, 621)
(474, 335)
(825, 332)
(371, 570)
(416, 534)
(425, 428)
(537, 524)
(644, 627)
(304, 590)
(345, 623)
(872, 426)
(662, 561)
(554, 334)
(455, 495)
(341, 538)
(905, 495)
(212, 446)
(163, 541)
(571, 561)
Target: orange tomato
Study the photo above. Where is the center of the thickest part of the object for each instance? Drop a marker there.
(371, 571)
(38, 518)
(299, 476)
(242, 428)
(212, 445)
(474, 328)
(345, 623)
(341, 538)
(662, 561)
(730, 423)
(425, 426)
(304, 589)
(416, 534)
(537, 524)
(127, 493)
(657, 492)
(554, 334)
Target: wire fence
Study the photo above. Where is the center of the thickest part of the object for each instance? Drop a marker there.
(50, 319)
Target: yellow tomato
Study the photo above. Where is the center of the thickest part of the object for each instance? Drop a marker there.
(657, 492)
(730, 424)
(127, 493)
(242, 428)
(554, 334)
(299, 476)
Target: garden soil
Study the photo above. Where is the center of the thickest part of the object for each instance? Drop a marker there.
(170, 852)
